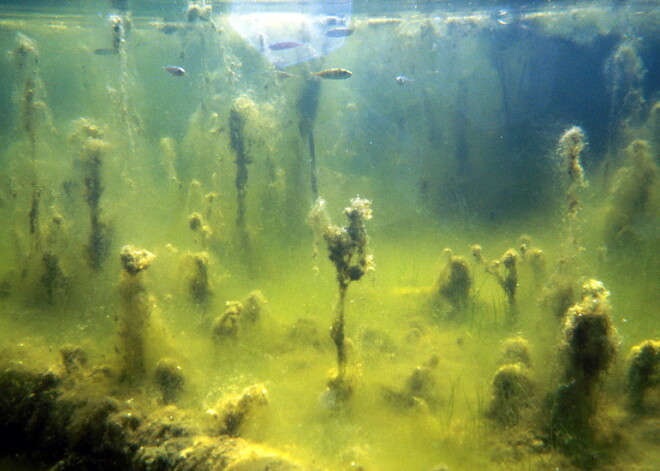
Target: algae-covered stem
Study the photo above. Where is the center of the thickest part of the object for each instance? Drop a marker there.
(308, 104)
(348, 251)
(589, 347)
(97, 246)
(93, 148)
(237, 136)
(337, 332)
(313, 172)
(136, 311)
(32, 108)
(570, 147)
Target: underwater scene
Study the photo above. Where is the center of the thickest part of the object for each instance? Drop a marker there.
(330, 235)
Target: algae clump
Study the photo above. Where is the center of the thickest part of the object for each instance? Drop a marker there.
(136, 311)
(349, 252)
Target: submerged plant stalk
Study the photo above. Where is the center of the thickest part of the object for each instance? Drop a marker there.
(93, 149)
(308, 104)
(33, 112)
(348, 251)
(136, 311)
(237, 136)
(570, 148)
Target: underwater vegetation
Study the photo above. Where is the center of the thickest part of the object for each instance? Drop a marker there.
(349, 252)
(175, 294)
(455, 282)
(632, 196)
(507, 281)
(89, 137)
(590, 344)
(643, 374)
(136, 308)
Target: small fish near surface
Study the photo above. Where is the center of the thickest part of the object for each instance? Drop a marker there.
(339, 32)
(175, 70)
(402, 79)
(334, 74)
(284, 45)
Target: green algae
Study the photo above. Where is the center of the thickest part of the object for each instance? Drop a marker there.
(453, 362)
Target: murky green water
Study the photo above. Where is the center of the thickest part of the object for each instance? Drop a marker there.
(455, 123)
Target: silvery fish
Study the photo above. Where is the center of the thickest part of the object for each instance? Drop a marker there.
(339, 32)
(281, 46)
(283, 74)
(175, 70)
(334, 74)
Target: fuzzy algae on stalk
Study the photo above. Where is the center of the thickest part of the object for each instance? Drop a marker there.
(455, 282)
(589, 346)
(570, 148)
(643, 375)
(136, 311)
(348, 251)
(633, 199)
(93, 148)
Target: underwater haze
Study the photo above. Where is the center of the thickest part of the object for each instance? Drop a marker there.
(330, 235)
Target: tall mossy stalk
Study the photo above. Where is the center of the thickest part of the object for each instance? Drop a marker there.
(34, 117)
(561, 290)
(93, 149)
(588, 350)
(97, 246)
(136, 311)
(308, 104)
(349, 252)
(570, 147)
(239, 146)
(633, 201)
(34, 111)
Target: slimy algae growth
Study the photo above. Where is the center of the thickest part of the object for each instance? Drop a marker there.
(238, 268)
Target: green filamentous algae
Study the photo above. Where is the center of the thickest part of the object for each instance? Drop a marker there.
(215, 256)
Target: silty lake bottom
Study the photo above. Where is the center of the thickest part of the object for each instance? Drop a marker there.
(212, 259)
